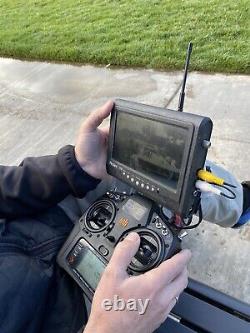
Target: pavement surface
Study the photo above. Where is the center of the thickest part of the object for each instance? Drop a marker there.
(42, 105)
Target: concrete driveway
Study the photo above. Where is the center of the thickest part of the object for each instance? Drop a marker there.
(42, 105)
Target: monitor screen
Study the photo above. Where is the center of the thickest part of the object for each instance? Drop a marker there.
(153, 148)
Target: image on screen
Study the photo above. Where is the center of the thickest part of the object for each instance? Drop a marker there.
(90, 268)
(151, 147)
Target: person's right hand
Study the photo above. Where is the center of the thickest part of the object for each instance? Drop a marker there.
(160, 285)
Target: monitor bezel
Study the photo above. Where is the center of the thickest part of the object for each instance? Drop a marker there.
(168, 192)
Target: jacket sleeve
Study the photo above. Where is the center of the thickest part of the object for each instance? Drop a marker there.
(41, 182)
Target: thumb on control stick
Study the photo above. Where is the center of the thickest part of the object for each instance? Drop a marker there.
(124, 252)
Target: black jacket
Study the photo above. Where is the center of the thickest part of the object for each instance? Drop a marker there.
(35, 294)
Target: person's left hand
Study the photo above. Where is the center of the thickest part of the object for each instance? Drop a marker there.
(91, 144)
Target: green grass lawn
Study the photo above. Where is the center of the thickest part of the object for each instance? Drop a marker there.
(152, 34)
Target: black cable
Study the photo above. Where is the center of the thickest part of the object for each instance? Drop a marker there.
(228, 189)
(194, 225)
(231, 185)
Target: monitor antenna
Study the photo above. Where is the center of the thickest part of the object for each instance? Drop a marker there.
(182, 93)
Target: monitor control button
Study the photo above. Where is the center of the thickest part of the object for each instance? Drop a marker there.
(102, 249)
(206, 144)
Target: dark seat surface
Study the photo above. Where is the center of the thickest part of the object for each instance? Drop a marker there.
(203, 309)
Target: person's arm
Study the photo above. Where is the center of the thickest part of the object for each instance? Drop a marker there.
(41, 182)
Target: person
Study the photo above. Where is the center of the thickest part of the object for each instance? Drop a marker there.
(35, 294)
(37, 208)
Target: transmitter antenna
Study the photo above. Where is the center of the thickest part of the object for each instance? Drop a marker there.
(182, 93)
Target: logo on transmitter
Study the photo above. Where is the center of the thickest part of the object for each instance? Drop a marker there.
(123, 222)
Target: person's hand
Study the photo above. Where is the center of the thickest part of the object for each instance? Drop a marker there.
(91, 144)
(160, 286)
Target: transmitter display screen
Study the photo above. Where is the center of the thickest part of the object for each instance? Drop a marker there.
(151, 147)
(90, 267)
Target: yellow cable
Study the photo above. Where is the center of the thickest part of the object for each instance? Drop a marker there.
(209, 177)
